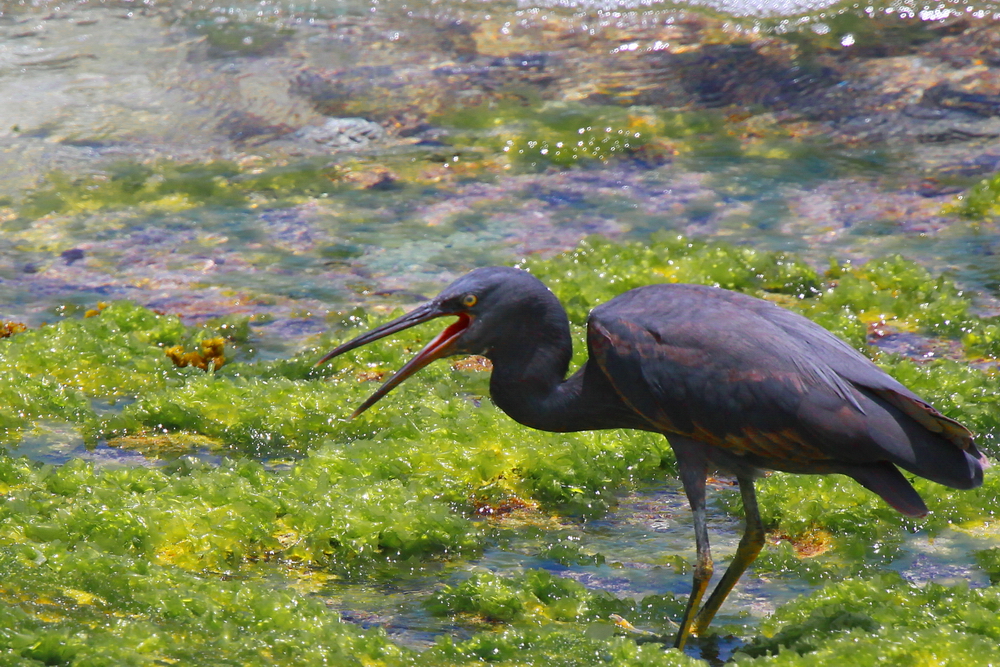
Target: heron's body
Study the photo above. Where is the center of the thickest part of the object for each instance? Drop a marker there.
(734, 382)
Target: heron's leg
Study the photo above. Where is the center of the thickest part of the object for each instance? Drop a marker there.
(694, 469)
(750, 545)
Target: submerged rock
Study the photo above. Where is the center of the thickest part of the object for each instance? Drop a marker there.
(345, 133)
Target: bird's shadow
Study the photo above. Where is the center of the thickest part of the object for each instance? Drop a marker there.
(716, 650)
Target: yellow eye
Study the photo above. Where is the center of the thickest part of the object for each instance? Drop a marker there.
(469, 300)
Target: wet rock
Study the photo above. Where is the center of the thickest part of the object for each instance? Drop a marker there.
(377, 178)
(932, 187)
(967, 46)
(953, 135)
(380, 94)
(452, 37)
(945, 97)
(228, 39)
(331, 92)
(535, 61)
(243, 127)
(969, 165)
(344, 133)
(72, 255)
(721, 75)
(915, 346)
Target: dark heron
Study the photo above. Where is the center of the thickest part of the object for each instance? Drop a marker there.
(734, 382)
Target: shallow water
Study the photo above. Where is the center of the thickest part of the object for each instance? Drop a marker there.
(648, 541)
(94, 87)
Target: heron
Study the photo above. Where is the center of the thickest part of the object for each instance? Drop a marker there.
(736, 384)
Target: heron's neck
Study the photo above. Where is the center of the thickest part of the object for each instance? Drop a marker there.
(529, 384)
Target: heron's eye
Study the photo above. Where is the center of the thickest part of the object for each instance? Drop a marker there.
(469, 300)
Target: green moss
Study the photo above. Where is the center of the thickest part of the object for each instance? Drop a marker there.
(88, 607)
(539, 596)
(396, 488)
(118, 352)
(882, 621)
(598, 270)
(234, 38)
(989, 560)
(173, 186)
(540, 135)
(25, 400)
(980, 201)
(169, 185)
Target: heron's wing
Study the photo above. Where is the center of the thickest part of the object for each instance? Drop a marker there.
(752, 378)
(853, 366)
(711, 392)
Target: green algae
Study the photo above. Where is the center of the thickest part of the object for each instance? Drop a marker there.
(875, 33)
(598, 270)
(536, 136)
(89, 607)
(166, 186)
(25, 400)
(579, 473)
(538, 596)
(845, 299)
(397, 489)
(959, 391)
(229, 38)
(518, 133)
(883, 620)
(864, 534)
(980, 201)
(989, 560)
(511, 648)
(118, 352)
(217, 518)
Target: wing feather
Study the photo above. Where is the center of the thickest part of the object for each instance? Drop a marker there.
(753, 378)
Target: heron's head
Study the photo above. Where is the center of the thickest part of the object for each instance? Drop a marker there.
(493, 307)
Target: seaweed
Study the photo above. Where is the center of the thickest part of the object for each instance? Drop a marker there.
(294, 489)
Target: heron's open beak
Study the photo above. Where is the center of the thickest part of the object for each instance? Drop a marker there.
(442, 346)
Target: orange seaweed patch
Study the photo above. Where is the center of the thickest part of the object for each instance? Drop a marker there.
(505, 506)
(96, 311)
(369, 376)
(158, 445)
(808, 544)
(8, 329)
(212, 352)
(473, 363)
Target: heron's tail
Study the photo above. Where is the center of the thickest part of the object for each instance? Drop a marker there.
(885, 480)
(926, 443)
